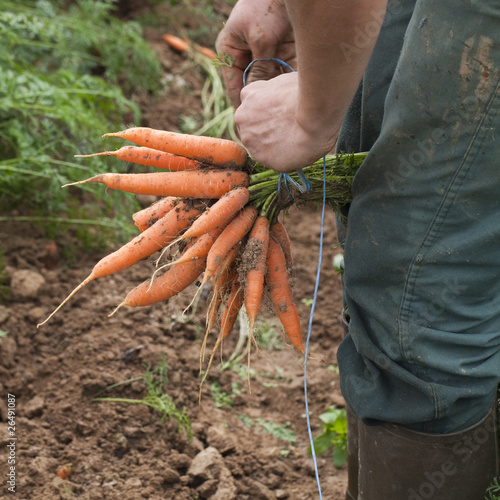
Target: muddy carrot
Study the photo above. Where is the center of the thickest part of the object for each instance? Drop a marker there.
(222, 285)
(148, 216)
(235, 231)
(190, 184)
(145, 244)
(150, 158)
(232, 307)
(221, 276)
(220, 213)
(172, 282)
(281, 234)
(209, 150)
(281, 293)
(256, 251)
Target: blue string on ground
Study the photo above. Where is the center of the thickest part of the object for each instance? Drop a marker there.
(303, 186)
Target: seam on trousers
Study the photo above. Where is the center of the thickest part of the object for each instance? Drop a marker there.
(474, 147)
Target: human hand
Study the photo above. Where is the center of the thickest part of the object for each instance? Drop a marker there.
(272, 130)
(256, 29)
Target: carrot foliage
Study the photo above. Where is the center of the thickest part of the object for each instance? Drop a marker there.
(62, 86)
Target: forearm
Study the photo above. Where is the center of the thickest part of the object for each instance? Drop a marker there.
(335, 39)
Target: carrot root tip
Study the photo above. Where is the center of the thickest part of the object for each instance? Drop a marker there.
(103, 153)
(75, 183)
(115, 310)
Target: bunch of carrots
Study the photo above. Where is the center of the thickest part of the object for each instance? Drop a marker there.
(220, 210)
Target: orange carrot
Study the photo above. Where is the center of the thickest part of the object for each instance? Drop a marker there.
(190, 184)
(150, 158)
(281, 234)
(179, 44)
(201, 246)
(222, 284)
(233, 305)
(148, 216)
(210, 150)
(221, 277)
(206, 52)
(281, 293)
(220, 213)
(64, 471)
(183, 45)
(172, 282)
(145, 244)
(256, 252)
(236, 230)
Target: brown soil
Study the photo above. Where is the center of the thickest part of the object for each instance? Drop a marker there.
(124, 451)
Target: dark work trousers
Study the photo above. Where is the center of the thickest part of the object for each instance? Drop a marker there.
(422, 240)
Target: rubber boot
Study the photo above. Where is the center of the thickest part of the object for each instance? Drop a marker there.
(352, 437)
(352, 456)
(396, 463)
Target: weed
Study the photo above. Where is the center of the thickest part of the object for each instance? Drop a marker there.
(279, 431)
(223, 399)
(333, 368)
(334, 434)
(282, 432)
(156, 398)
(493, 491)
(267, 335)
(307, 302)
(63, 85)
(3, 334)
(241, 369)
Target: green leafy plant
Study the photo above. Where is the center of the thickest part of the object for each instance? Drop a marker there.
(267, 335)
(69, 74)
(279, 431)
(334, 434)
(156, 397)
(223, 399)
(493, 491)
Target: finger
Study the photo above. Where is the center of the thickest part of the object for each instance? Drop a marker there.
(263, 70)
(233, 82)
(237, 59)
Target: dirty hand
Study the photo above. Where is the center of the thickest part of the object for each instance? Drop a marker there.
(273, 131)
(256, 29)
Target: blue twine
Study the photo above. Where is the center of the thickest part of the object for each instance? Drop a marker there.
(309, 330)
(303, 186)
(283, 63)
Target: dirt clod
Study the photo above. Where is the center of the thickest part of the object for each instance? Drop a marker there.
(26, 284)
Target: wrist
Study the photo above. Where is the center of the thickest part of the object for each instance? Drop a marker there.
(320, 122)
